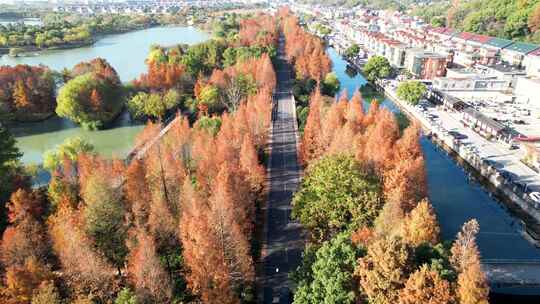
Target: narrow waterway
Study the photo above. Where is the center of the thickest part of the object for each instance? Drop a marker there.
(455, 198)
(126, 53)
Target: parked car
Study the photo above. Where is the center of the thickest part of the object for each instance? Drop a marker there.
(535, 196)
(457, 135)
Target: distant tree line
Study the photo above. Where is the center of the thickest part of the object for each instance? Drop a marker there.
(61, 30)
(513, 19)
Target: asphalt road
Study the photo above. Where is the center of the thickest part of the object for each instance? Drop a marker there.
(283, 242)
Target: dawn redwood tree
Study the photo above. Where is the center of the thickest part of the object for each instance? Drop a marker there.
(228, 219)
(85, 271)
(472, 283)
(266, 76)
(332, 122)
(23, 280)
(207, 276)
(405, 183)
(26, 236)
(355, 112)
(421, 225)
(259, 111)
(376, 144)
(370, 116)
(311, 140)
(137, 192)
(249, 163)
(152, 283)
(383, 271)
(426, 286)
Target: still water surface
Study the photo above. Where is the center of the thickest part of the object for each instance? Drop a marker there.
(126, 53)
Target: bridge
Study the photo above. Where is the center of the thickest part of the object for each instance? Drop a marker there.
(138, 152)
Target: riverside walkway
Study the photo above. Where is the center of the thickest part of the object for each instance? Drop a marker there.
(283, 244)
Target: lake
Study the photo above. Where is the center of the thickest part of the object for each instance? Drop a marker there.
(126, 53)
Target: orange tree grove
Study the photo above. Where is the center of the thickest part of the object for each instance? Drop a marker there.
(174, 225)
(26, 92)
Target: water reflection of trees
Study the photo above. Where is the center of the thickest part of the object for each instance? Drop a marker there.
(351, 71)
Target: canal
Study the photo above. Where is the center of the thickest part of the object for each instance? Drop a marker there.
(454, 196)
(126, 53)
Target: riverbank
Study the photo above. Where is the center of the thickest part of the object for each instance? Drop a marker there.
(482, 171)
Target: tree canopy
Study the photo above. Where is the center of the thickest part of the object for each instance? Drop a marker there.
(351, 201)
(70, 148)
(93, 97)
(26, 92)
(377, 67)
(411, 91)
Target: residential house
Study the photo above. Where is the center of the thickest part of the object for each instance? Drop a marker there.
(532, 63)
(516, 52)
(425, 65)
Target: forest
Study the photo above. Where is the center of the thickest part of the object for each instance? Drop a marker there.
(510, 19)
(182, 223)
(177, 225)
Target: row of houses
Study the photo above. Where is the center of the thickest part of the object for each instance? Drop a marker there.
(392, 33)
(141, 7)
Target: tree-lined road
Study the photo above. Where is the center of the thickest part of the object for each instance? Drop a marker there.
(283, 240)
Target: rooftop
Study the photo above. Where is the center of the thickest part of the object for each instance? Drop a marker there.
(499, 43)
(480, 38)
(505, 68)
(497, 126)
(535, 52)
(522, 47)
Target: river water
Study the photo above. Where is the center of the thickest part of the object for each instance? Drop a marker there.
(454, 197)
(126, 53)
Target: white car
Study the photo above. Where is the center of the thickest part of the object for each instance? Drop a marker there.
(535, 196)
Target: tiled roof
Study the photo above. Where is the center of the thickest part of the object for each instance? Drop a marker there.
(535, 53)
(480, 38)
(522, 47)
(499, 43)
(444, 30)
(464, 35)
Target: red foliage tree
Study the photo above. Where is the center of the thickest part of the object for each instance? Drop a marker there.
(151, 281)
(25, 89)
(207, 267)
(311, 141)
(25, 238)
(249, 163)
